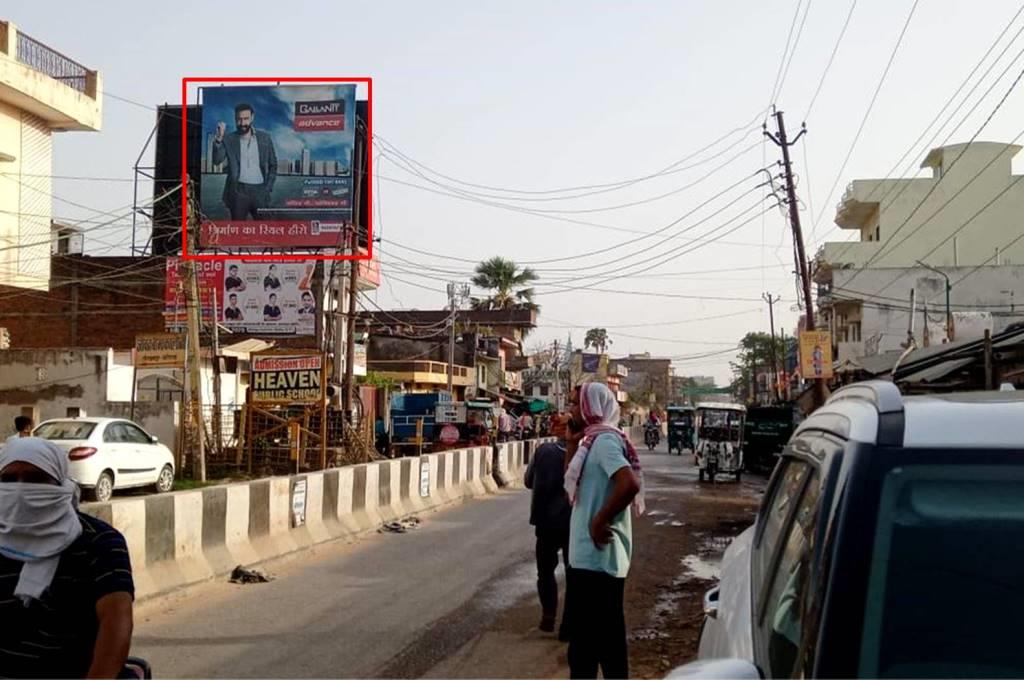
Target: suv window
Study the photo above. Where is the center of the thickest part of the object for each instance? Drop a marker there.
(791, 481)
(944, 588)
(790, 585)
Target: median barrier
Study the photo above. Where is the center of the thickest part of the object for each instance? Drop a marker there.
(185, 537)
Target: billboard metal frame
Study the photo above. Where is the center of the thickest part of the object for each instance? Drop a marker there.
(186, 255)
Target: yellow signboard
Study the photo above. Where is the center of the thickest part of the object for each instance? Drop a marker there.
(160, 350)
(815, 354)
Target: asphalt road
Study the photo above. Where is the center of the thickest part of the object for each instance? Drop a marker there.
(373, 608)
(390, 605)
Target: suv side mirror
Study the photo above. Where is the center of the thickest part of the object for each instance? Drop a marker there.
(735, 669)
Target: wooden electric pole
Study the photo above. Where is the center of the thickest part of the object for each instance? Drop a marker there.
(349, 387)
(193, 358)
(803, 267)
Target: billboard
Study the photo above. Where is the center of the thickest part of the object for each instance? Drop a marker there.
(815, 354)
(160, 350)
(281, 377)
(276, 168)
(253, 297)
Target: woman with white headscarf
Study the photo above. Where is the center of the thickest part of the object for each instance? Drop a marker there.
(66, 585)
(603, 480)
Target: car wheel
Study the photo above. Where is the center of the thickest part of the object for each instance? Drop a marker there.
(165, 482)
(104, 488)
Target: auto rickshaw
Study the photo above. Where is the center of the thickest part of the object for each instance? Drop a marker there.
(681, 432)
(719, 440)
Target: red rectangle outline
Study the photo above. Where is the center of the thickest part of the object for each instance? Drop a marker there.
(185, 255)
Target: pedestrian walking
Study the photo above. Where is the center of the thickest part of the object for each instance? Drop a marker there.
(549, 515)
(602, 480)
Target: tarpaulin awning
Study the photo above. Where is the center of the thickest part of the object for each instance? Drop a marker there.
(938, 371)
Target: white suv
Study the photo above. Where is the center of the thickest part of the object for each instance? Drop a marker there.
(890, 543)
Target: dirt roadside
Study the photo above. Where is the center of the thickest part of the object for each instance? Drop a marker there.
(678, 546)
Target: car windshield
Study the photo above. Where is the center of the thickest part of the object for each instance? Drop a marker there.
(60, 430)
(680, 417)
(944, 592)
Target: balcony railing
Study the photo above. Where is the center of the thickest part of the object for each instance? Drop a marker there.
(38, 56)
(406, 366)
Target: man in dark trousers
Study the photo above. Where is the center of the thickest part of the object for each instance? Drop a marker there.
(549, 514)
(251, 164)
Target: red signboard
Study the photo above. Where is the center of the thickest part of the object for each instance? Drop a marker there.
(284, 233)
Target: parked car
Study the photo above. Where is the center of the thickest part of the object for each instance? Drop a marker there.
(107, 454)
(890, 543)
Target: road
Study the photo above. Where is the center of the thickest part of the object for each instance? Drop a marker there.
(391, 605)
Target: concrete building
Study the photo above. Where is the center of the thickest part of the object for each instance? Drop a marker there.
(649, 379)
(899, 221)
(865, 322)
(964, 220)
(41, 92)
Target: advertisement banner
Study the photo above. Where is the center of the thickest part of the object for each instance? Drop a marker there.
(286, 378)
(277, 165)
(253, 297)
(815, 354)
(160, 350)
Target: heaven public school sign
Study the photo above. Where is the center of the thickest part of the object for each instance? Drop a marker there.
(287, 378)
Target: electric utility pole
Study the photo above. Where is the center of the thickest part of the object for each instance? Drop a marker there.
(193, 310)
(457, 293)
(775, 350)
(803, 267)
(349, 387)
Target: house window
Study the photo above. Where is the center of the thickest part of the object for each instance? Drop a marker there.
(544, 390)
(855, 331)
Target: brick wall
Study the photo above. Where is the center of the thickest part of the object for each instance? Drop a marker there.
(96, 302)
(92, 302)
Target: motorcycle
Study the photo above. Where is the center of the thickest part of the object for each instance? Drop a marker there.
(651, 437)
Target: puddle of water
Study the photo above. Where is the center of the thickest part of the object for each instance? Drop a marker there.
(656, 513)
(507, 591)
(677, 523)
(647, 634)
(704, 568)
(661, 523)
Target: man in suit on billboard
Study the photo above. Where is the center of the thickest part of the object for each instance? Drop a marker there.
(251, 164)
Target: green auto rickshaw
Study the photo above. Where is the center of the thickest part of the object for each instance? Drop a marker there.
(682, 433)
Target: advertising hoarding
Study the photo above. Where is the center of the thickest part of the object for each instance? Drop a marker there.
(276, 167)
(253, 297)
(815, 354)
(280, 377)
(160, 350)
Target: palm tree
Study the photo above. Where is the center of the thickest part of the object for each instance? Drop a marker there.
(510, 285)
(598, 339)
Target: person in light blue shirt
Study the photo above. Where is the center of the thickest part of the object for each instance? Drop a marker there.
(603, 479)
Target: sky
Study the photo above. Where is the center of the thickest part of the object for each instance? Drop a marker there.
(536, 96)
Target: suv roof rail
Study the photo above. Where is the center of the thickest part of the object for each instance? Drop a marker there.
(886, 399)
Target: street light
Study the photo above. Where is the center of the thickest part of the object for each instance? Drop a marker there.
(949, 287)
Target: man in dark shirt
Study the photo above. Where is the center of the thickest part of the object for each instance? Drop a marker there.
(270, 281)
(233, 282)
(66, 586)
(549, 514)
(271, 312)
(232, 312)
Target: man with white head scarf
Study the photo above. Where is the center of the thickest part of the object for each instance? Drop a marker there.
(66, 585)
(603, 479)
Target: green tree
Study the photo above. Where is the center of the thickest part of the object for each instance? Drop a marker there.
(509, 285)
(755, 356)
(598, 339)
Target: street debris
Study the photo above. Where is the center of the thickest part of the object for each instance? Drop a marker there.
(244, 575)
(401, 526)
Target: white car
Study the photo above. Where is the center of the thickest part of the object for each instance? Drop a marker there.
(108, 453)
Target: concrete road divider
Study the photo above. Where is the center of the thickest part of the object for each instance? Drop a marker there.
(186, 537)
